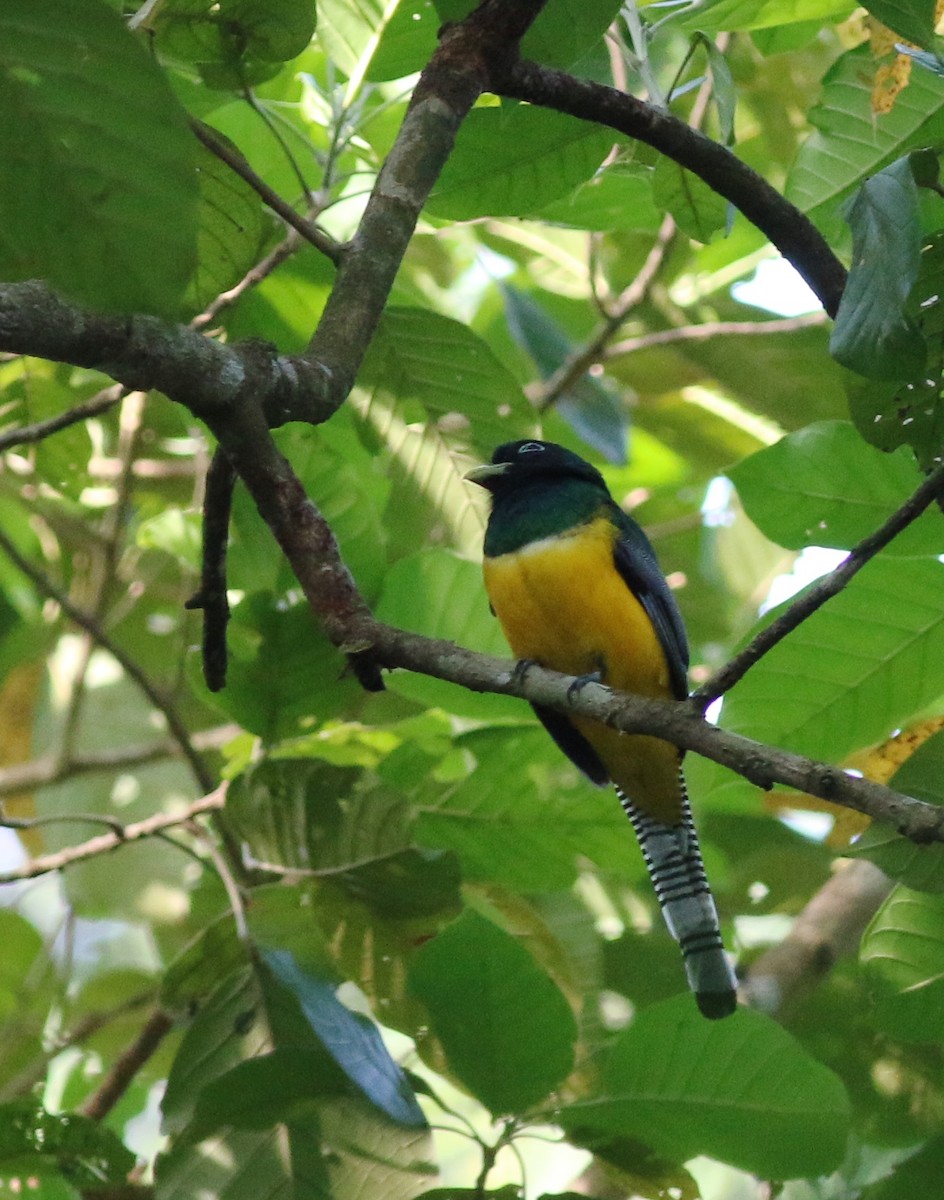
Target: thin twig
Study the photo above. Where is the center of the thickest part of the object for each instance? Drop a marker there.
(711, 329)
(127, 1065)
(594, 350)
(175, 724)
(584, 357)
(722, 681)
(253, 277)
(120, 835)
(101, 402)
(236, 163)
(41, 772)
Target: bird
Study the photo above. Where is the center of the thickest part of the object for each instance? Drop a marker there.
(577, 588)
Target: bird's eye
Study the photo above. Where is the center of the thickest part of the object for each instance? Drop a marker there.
(531, 448)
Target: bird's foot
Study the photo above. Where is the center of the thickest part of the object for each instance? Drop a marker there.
(581, 682)
(522, 667)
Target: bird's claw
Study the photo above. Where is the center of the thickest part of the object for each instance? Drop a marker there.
(581, 682)
(522, 667)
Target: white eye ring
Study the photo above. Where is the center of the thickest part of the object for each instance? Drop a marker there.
(531, 448)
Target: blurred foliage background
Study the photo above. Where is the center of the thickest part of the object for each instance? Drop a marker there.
(417, 880)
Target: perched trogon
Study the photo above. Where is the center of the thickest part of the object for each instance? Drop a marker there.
(577, 588)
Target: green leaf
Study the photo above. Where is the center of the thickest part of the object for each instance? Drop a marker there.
(346, 30)
(232, 229)
(530, 837)
(441, 595)
(227, 1030)
(741, 1090)
(903, 952)
(852, 142)
(591, 407)
(235, 31)
(825, 486)
(352, 1040)
(858, 668)
(311, 816)
(618, 197)
(919, 867)
(873, 333)
(407, 42)
(889, 415)
(451, 375)
(698, 209)
(736, 15)
(96, 153)
(505, 1026)
(513, 161)
(282, 669)
(912, 20)
(37, 1143)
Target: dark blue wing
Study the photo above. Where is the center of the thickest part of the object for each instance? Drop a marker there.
(637, 563)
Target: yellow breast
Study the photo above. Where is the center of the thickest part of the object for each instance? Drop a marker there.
(562, 603)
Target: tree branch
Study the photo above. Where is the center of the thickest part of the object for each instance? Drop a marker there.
(830, 926)
(101, 402)
(809, 601)
(708, 330)
(118, 835)
(237, 164)
(782, 223)
(127, 1065)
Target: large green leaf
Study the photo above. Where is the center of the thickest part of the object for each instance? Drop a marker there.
(852, 142)
(513, 161)
(234, 32)
(874, 334)
(861, 666)
(903, 951)
(741, 1090)
(97, 152)
(443, 373)
(282, 669)
(441, 595)
(697, 208)
(505, 1026)
(231, 232)
(531, 836)
(825, 486)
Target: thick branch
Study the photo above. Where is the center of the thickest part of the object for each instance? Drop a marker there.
(679, 723)
(828, 928)
(785, 226)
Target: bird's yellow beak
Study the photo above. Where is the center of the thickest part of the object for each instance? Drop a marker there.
(481, 475)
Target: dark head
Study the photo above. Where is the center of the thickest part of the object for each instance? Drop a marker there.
(538, 489)
(516, 464)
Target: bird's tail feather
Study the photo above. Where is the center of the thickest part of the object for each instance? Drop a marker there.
(673, 857)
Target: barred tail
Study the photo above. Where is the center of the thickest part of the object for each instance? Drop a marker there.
(675, 867)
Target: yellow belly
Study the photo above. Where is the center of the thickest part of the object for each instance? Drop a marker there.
(562, 603)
